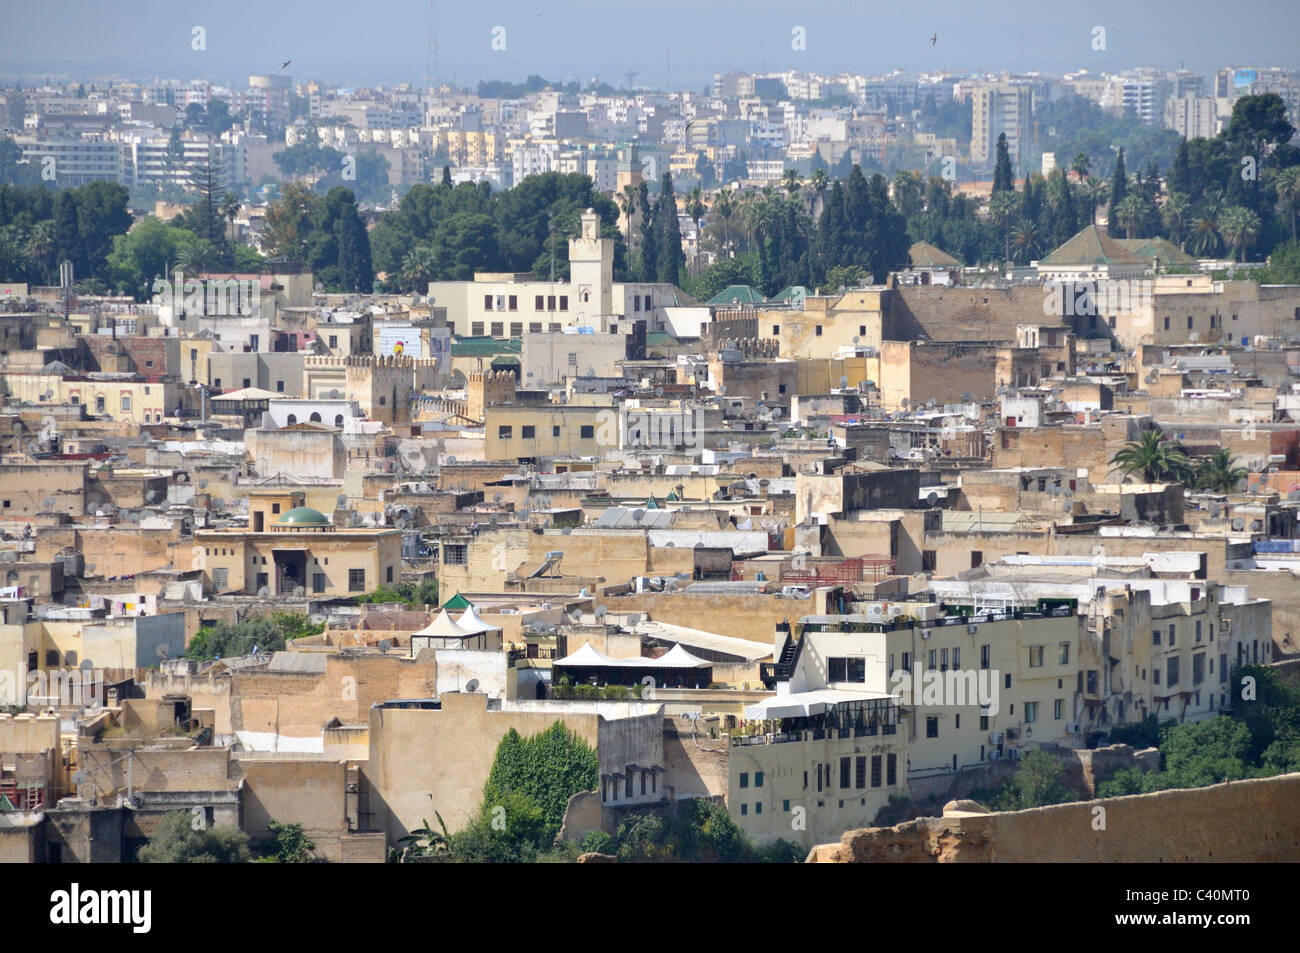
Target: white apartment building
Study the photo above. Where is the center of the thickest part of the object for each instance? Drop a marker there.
(999, 108)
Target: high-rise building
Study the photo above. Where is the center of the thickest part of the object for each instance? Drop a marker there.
(999, 108)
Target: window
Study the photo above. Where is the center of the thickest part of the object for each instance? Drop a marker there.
(744, 779)
(1172, 631)
(1172, 672)
(555, 430)
(1031, 712)
(248, 382)
(564, 302)
(1058, 708)
(1035, 656)
(932, 660)
(956, 657)
(534, 327)
(862, 330)
(476, 329)
(262, 580)
(505, 432)
(846, 769)
(860, 772)
(776, 330)
(487, 302)
(907, 662)
(785, 806)
(220, 579)
(528, 433)
(126, 403)
(928, 560)
(932, 726)
(976, 558)
(1064, 658)
(279, 387)
(455, 554)
(334, 340)
(891, 770)
(318, 582)
(1198, 630)
(758, 807)
(847, 669)
(984, 722)
(498, 329)
(356, 580)
(1189, 322)
(389, 574)
(875, 770)
(984, 656)
(648, 305)
(588, 431)
(514, 302)
(758, 779)
(550, 302)
(1155, 637)
(744, 810)
(956, 722)
(943, 660)
(636, 302)
(819, 330)
(1155, 676)
(516, 328)
(1006, 680)
(1198, 668)
(1092, 681)
(1112, 321)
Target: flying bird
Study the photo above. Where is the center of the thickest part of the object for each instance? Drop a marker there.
(286, 64)
(934, 38)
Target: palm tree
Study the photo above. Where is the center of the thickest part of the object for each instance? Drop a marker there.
(791, 181)
(1130, 212)
(1092, 193)
(229, 209)
(725, 206)
(1204, 239)
(1003, 208)
(40, 247)
(1155, 458)
(1240, 227)
(1288, 194)
(419, 267)
(820, 183)
(1027, 237)
(628, 201)
(1174, 214)
(696, 208)
(1080, 164)
(1218, 473)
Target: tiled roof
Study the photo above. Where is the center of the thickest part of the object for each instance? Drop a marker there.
(925, 255)
(1092, 246)
(742, 293)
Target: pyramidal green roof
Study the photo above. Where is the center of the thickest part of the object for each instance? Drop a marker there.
(742, 293)
(457, 602)
(1092, 246)
(1161, 248)
(925, 255)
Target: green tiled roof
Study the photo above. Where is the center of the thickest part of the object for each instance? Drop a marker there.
(1166, 251)
(742, 293)
(1092, 246)
(457, 602)
(791, 293)
(484, 346)
(925, 255)
(659, 338)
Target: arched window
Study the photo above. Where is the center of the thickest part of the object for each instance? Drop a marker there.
(11, 577)
(52, 658)
(70, 659)
(315, 418)
(293, 419)
(338, 420)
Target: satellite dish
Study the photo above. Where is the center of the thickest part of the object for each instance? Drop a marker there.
(163, 650)
(659, 391)
(855, 339)
(965, 398)
(471, 686)
(451, 459)
(905, 402)
(343, 500)
(264, 591)
(385, 645)
(1238, 524)
(634, 618)
(844, 380)
(601, 612)
(78, 777)
(638, 515)
(1193, 336)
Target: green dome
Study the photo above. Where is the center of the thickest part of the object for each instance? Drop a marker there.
(303, 516)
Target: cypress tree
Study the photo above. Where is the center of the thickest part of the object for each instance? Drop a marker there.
(446, 176)
(1004, 178)
(355, 270)
(67, 232)
(671, 257)
(1118, 190)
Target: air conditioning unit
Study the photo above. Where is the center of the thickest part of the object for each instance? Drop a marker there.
(1072, 728)
(972, 628)
(925, 633)
(1014, 754)
(996, 738)
(995, 755)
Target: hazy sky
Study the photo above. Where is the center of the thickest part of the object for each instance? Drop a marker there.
(352, 42)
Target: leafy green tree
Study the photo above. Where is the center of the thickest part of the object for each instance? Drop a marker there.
(1239, 227)
(548, 768)
(1036, 783)
(267, 634)
(289, 844)
(177, 842)
(1004, 206)
(1155, 458)
(509, 831)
